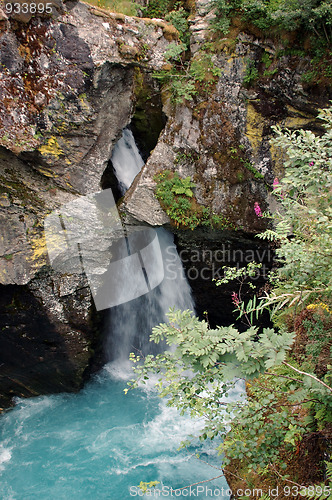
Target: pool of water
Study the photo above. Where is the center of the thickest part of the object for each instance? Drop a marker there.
(100, 443)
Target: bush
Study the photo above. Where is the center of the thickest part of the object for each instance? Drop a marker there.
(176, 196)
(285, 397)
(307, 16)
(186, 80)
(156, 8)
(127, 7)
(179, 19)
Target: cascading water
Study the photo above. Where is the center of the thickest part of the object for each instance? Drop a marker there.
(130, 323)
(101, 442)
(126, 153)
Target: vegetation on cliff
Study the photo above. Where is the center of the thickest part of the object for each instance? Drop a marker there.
(304, 28)
(313, 16)
(177, 199)
(280, 434)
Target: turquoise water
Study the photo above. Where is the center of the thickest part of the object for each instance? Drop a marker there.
(100, 443)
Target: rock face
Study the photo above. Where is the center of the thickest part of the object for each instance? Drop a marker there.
(46, 337)
(204, 253)
(70, 82)
(73, 78)
(221, 138)
(69, 85)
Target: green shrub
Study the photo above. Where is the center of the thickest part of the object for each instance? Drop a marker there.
(202, 69)
(306, 17)
(316, 329)
(127, 7)
(176, 196)
(224, 9)
(186, 80)
(156, 8)
(251, 74)
(179, 19)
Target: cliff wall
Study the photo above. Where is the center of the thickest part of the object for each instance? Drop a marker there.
(69, 85)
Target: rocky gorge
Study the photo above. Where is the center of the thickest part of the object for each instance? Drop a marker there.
(70, 83)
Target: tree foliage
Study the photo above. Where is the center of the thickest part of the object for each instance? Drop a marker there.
(308, 16)
(203, 365)
(302, 225)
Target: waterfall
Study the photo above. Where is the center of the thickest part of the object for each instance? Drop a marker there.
(131, 322)
(126, 160)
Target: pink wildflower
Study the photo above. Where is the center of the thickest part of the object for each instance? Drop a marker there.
(258, 210)
(275, 185)
(235, 299)
(311, 164)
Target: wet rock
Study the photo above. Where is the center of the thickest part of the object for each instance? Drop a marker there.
(44, 348)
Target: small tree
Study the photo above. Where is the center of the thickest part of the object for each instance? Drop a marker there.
(204, 364)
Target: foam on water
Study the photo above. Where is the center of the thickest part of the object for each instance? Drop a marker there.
(5, 456)
(98, 442)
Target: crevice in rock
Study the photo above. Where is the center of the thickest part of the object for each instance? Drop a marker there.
(109, 181)
(203, 253)
(148, 119)
(146, 125)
